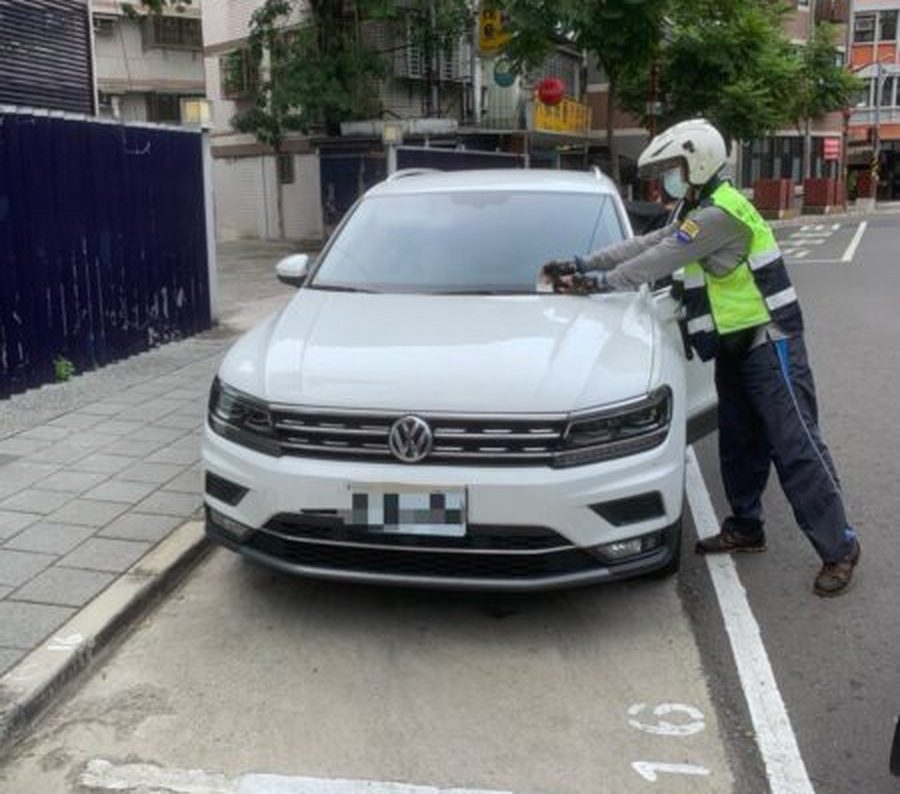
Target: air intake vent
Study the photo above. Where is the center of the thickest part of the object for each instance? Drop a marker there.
(224, 490)
(632, 510)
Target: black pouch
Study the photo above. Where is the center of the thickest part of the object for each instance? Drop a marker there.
(736, 344)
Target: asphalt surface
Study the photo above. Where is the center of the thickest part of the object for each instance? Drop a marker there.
(245, 671)
(836, 661)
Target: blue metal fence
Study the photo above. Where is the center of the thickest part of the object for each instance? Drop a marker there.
(102, 243)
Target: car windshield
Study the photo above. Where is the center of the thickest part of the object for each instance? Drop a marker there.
(470, 242)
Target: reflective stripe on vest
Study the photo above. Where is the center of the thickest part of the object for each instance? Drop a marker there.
(755, 292)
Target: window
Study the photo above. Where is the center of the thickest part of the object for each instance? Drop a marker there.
(285, 169)
(464, 241)
(238, 74)
(772, 158)
(104, 27)
(863, 97)
(887, 26)
(174, 32)
(887, 92)
(164, 108)
(864, 28)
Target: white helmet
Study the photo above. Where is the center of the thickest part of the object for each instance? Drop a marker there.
(696, 143)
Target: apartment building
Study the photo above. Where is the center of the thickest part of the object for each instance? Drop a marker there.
(874, 125)
(149, 68)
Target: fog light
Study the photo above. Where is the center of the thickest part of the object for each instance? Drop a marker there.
(622, 549)
(234, 529)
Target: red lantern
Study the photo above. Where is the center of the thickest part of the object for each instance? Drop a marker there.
(551, 90)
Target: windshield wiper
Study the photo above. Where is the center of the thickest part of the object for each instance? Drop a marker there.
(343, 288)
(481, 292)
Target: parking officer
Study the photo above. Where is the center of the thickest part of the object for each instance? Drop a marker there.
(742, 311)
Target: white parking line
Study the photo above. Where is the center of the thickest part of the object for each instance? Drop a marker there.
(101, 774)
(854, 243)
(775, 737)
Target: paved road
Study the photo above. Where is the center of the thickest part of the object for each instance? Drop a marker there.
(243, 671)
(836, 662)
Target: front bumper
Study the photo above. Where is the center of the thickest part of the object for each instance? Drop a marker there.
(280, 556)
(532, 528)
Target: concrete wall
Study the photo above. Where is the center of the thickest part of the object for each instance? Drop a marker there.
(245, 198)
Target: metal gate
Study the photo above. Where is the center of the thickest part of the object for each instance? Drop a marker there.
(103, 247)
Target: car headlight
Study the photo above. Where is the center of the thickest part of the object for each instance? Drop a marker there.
(242, 419)
(617, 432)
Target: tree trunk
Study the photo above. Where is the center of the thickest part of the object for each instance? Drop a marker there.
(610, 127)
(807, 149)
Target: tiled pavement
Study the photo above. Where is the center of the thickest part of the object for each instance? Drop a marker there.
(89, 486)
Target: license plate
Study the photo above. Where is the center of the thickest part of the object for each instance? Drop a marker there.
(436, 513)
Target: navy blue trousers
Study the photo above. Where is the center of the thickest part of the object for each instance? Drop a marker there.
(768, 414)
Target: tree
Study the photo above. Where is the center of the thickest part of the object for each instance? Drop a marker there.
(621, 35)
(727, 60)
(824, 85)
(315, 68)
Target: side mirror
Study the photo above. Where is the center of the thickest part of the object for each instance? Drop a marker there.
(293, 269)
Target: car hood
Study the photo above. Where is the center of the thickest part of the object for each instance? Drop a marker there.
(532, 353)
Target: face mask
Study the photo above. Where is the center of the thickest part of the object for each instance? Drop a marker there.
(674, 185)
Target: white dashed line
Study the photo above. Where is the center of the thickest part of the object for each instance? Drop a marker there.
(775, 737)
(854, 243)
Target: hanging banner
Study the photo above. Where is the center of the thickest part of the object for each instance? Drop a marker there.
(831, 149)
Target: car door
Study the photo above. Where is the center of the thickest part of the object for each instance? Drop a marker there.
(702, 400)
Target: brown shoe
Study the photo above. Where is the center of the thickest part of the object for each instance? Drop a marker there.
(835, 577)
(736, 536)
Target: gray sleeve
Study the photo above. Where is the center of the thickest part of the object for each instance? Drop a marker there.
(607, 258)
(715, 230)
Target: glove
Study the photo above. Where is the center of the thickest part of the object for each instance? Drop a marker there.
(589, 284)
(552, 272)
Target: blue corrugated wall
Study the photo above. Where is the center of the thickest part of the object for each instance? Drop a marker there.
(102, 243)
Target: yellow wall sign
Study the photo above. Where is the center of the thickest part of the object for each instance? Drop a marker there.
(568, 116)
(492, 35)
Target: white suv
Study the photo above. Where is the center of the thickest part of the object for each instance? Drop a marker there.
(420, 414)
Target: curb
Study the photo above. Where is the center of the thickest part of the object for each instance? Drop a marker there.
(31, 686)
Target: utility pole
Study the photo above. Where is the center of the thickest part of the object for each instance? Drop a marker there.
(876, 134)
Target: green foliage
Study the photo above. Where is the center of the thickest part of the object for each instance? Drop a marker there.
(727, 61)
(621, 35)
(730, 61)
(315, 67)
(63, 369)
(824, 85)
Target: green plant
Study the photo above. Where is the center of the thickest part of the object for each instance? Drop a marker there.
(63, 369)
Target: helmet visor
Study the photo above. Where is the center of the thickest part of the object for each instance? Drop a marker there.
(656, 168)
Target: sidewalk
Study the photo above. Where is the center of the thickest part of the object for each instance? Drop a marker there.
(97, 471)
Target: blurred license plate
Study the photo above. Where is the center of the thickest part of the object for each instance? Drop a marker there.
(411, 512)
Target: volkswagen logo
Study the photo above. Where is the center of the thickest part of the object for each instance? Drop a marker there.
(410, 439)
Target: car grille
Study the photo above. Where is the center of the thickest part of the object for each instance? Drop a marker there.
(485, 440)
(436, 560)
(328, 526)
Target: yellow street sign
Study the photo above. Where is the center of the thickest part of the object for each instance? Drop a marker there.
(491, 27)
